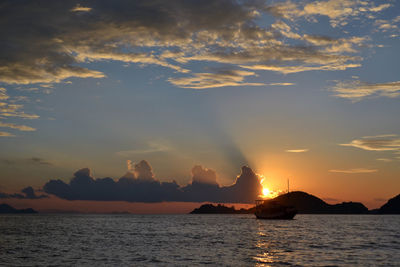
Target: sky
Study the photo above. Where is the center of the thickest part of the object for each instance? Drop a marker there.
(182, 94)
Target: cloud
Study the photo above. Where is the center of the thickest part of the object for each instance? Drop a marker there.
(79, 8)
(355, 171)
(357, 90)
(64, 38)
(339, 45)
(32, 160)
(214, 80)
(281, 84)
(18, 127)
(380, 143)
(141, 186)
(297, 150)
(385, 159)
(302, 68)
(8, 108)
(203, 175)
(151, 147)
(27, 193)
(40, 161)
(6, 134)
(3, 93)
(338, 11)
(376, 143)
(143, 171)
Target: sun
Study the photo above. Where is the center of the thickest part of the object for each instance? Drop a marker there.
(265, 191)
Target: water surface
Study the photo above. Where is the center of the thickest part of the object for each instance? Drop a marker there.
(224, 240)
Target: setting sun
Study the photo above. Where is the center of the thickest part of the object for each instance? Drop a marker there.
(265, 192)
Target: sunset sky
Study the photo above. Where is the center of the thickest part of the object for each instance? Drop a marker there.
(305, 90)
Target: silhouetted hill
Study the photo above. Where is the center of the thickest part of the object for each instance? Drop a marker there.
(391, 207)
(309, 204)
(5, 208)
(303, 202)
(219, 209)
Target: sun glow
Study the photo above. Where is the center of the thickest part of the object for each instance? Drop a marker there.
(266, 192)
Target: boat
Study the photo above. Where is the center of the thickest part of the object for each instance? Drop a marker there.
(272, 210)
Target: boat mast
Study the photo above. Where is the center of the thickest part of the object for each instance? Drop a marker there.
(288, 185)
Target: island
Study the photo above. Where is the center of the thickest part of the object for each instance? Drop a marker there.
(7, 209)
(305, 204)
(391, 207)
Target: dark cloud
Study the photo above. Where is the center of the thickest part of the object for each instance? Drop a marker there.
(27, 193)
(141, 186)
(32, 160)
(203, 175)
(46, 41)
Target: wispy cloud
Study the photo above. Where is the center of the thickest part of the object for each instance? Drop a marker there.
(297, 150)
(79, 8)
(301, 68)
(389, 142)
(385, 159)
(6, 134)
(18, 127)
(281, 84)
(3, 94)
(338, 11)
(357, 90)
(151, 147)
(8, 108)
(354, 171)
(32, 160)
(214, 80)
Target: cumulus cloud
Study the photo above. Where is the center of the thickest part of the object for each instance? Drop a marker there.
(27, 193)
(143, 171)
(141, 186)
(203, 175)
(358, 90)
(58, 40)
(354, 171)
(297, 150)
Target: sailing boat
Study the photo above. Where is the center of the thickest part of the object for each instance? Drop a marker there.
(271, 209)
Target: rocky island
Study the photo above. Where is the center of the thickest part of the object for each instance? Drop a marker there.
(5, 208)
(308, 204)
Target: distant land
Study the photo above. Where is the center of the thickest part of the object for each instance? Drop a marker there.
(308, 204)
(5, 208)
(220, 209)
(391, 207)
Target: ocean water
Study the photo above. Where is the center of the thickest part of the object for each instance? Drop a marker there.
(190, 240)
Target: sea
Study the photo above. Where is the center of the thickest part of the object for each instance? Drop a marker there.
(198, 239)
